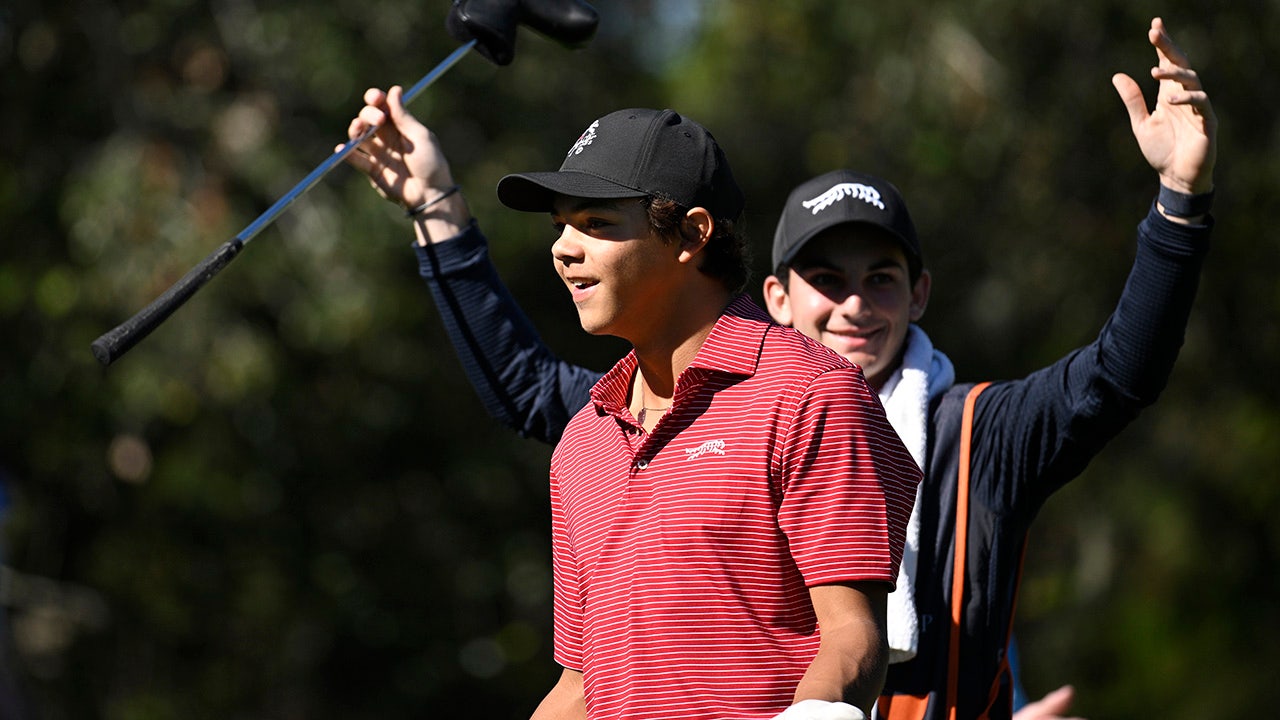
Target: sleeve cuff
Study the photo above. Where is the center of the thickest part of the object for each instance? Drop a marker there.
(457, 254)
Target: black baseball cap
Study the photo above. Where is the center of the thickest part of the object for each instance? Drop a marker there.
(844, 196)
(634, 153)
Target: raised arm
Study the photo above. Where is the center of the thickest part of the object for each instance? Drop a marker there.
(1041, 431)
(521, 383)
(406, 165)
(1179, 137)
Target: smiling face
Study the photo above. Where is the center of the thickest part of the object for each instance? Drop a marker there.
(849, 289)
(621, 274)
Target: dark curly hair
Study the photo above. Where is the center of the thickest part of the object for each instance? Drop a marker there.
(727, 256)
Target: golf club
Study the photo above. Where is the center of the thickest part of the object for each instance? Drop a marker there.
(117, 341)
(487, 25)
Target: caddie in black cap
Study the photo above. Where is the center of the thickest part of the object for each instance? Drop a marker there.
(848, 270)
(635, 153)
(844, 196)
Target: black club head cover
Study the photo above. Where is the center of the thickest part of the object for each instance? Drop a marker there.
(570, 22)
(492, 23)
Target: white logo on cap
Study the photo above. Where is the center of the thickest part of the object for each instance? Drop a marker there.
(584, 139)
(840, 191)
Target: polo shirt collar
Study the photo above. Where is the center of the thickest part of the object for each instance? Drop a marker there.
(733, 348)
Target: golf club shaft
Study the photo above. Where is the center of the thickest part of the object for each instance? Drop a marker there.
(323, 168)
(120, 339)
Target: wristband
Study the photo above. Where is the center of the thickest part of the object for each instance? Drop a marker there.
(1181, 205)
(415, 212)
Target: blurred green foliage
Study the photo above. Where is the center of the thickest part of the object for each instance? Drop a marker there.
(286, 502)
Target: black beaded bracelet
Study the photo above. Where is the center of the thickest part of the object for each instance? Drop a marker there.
(415, 212)
(1182, 205)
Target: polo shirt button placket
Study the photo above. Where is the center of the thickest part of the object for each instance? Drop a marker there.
(641, 464)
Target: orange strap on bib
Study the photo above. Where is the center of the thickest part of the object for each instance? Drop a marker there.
(911, 707)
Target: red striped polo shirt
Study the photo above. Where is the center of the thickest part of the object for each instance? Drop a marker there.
(682, 558)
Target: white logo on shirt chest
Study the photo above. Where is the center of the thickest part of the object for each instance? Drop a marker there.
(713, 447)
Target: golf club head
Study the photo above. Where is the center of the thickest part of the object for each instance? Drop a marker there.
(492, 23)
(569, 22)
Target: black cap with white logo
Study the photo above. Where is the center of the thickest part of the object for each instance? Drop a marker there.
(634, 153)
(843, 196)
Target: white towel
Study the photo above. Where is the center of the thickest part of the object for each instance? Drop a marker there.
(925, 373)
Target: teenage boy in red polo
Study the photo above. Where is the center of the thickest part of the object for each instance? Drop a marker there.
(729, 509)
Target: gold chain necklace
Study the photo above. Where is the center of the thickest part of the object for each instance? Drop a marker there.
(644, 412)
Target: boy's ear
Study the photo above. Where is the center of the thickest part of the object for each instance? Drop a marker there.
(776, 300)
(695, 231)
